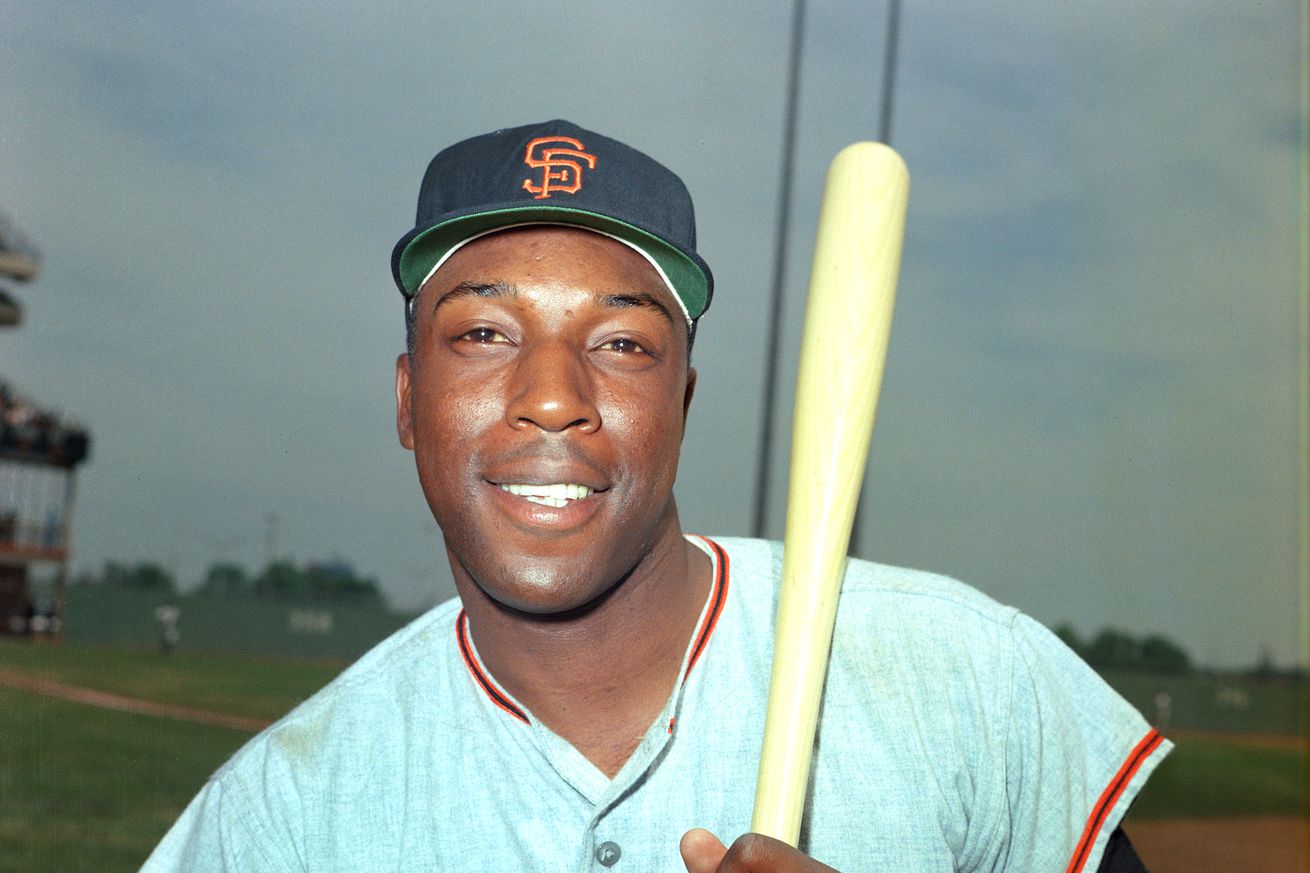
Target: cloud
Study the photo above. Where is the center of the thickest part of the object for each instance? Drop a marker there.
(1092, 396)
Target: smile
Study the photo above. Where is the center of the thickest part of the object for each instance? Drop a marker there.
(558, 495)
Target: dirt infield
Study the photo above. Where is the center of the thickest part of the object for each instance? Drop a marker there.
(91, 697)
(1273, 844)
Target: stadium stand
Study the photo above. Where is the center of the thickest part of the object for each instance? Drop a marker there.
(39, 451)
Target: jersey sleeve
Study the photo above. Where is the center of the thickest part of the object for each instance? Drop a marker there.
(1076, 755)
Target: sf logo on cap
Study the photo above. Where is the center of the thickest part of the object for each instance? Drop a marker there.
(554, 156)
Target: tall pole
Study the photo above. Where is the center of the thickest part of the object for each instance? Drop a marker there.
(884, 136)
(762, 470)
(889, 71)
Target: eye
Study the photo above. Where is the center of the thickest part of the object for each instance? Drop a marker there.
(483, 336)
(623, 345)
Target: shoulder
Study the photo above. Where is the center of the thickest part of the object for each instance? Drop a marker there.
(872, 591)
(405, 656)
(250, 813)
(918, 627)
(946, 690)
(374, 695)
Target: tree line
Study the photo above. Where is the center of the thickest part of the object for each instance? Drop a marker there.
(279, 580)
(1113, 649)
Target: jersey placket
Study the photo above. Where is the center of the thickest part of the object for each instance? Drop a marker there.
(596, 793)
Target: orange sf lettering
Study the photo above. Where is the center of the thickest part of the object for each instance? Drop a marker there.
(561, 160)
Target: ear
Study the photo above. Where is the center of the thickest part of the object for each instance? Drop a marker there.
(404, 413)
(687, 393)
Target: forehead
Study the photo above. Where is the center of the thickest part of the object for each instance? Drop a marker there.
(545, 256)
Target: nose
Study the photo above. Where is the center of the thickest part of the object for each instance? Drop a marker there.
(552, 390)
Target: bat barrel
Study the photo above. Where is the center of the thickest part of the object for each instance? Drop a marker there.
(843, 350)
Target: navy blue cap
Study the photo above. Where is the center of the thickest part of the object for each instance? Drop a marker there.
(555, 173)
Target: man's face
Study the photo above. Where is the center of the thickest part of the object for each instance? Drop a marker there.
(545, 402)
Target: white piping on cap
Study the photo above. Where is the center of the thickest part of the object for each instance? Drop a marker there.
(636, 248)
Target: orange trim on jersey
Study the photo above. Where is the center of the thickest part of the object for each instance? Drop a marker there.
(718, 596)
(498, 697)
(1110, 796)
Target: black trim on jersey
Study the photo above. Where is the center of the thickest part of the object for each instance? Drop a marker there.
(497, 697)
(720, 595)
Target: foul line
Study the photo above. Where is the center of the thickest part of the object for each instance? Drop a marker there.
(105, 700)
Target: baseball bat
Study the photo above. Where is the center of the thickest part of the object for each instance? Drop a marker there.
(843, 348)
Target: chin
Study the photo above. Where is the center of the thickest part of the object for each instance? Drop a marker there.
(543, 589)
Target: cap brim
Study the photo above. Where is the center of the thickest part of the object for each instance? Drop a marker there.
(424, 247)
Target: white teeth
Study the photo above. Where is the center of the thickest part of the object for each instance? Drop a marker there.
(557, 494)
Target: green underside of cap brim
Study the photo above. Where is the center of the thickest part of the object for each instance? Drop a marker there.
(431, 246)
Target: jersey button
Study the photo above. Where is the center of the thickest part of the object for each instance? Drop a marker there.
(608, 853)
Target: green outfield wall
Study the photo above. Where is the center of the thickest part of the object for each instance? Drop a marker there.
(326, 629)
(214, 623)
(1217, 701)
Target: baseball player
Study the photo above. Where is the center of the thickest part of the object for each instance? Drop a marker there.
(594, 697)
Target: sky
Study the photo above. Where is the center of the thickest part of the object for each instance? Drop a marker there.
(1095, 400)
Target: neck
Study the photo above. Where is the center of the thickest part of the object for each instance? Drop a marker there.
(599, 675)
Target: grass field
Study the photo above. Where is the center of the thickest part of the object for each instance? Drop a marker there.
(88, 789)
(258, 687)
(1207, 777)
(83, 788)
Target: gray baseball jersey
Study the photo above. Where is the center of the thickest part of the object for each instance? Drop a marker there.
(956, 734)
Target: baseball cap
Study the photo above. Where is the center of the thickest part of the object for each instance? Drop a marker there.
(555, 173)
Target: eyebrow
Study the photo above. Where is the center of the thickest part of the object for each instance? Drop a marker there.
(477, 289)
(638, 299)
(499, 288)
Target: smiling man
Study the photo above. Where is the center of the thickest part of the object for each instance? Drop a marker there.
(544, 400)
(594, 697)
